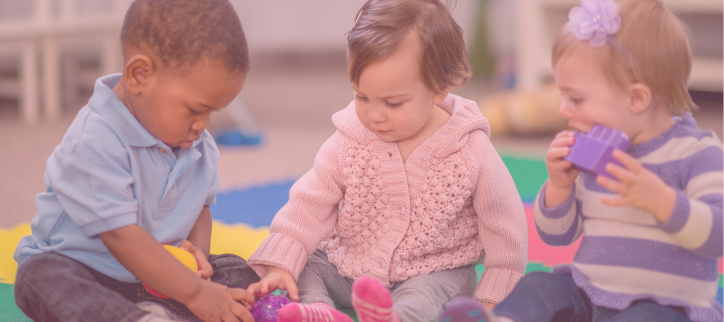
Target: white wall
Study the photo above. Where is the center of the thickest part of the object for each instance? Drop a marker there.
(315, 25)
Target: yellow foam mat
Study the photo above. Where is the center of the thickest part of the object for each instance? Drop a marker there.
(239, 239)
(9, 239)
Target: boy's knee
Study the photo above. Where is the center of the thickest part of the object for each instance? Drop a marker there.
(44, 266)
(38, 273)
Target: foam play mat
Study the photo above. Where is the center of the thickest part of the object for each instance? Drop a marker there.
(242, 217)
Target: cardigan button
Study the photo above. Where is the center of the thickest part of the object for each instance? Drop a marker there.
(381, 263)
(425, 161)
(402, 211)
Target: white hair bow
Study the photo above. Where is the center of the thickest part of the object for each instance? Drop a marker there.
(595, 20)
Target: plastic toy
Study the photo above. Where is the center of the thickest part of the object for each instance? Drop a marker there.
(593, 150)
(465, 309)
(266, 309)
(184, 257)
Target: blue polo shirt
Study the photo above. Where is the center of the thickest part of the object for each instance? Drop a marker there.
(110, 172)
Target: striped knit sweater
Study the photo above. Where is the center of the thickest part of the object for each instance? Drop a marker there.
(625, 254)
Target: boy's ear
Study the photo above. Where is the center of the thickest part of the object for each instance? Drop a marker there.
(439, 97)
(139, 73)
(640, 97)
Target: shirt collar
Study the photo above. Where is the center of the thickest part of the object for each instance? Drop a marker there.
(105, 102)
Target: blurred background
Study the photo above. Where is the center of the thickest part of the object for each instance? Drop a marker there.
(51, 52)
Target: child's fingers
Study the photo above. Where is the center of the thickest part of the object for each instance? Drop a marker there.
(564, 134)
(562, 141)
(229, 317)
(242, 295)
(627, 160)
(254, 288)
(291, 287)
(614, 202)
(614, 186)
(205, 269)
(241, 312)
(555, 154)
(559, 165)
(258, 288)
(264, 287)
(204, 275)
(562, 167)
(187, 246)
(620, 173)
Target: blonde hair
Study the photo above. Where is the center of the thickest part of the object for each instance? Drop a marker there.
(383, 25)
(650, 48)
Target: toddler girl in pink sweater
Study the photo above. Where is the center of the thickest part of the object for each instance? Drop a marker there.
(407, 195)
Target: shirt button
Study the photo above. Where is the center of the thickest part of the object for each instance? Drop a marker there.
(162, 150)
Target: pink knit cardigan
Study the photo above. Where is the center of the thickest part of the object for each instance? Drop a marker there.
(452, 203)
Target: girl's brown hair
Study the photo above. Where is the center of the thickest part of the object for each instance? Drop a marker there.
(650, 48)
(383, 25)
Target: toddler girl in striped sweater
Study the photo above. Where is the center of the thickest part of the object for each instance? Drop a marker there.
(652, 232)
(407, 195)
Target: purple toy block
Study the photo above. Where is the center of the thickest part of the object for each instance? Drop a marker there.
(464, 309)
(593, 150)
(266, 309)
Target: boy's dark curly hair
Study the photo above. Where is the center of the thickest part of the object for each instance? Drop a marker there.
(184, 32)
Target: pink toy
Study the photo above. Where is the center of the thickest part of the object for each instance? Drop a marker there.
(464, 309)
(266, 309)
(593, 150)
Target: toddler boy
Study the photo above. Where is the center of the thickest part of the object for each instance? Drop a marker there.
(137, 169)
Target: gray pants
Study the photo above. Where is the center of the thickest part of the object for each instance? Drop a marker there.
(53, 287)
(419, 299)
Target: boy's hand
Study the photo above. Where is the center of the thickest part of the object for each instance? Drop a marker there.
(561, 173)
(216, 302)
(637, 187)
(274, 279)
(138, 251)
(205, 270)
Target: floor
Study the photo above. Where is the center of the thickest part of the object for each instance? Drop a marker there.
(292, 102)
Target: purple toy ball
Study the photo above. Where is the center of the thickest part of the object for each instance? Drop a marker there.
(593, 150)
(465, 309)
(266, 309)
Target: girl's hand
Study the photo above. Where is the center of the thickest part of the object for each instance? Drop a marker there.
(274, 279)
(637, 187)
(205, 270)
(561, 173)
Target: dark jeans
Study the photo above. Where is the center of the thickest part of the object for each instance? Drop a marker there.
(543, 297)
(54, 287)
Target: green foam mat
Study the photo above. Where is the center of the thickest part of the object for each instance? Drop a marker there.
(9, 312)
(528, 175)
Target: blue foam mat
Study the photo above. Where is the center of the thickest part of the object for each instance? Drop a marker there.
(255, 206)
